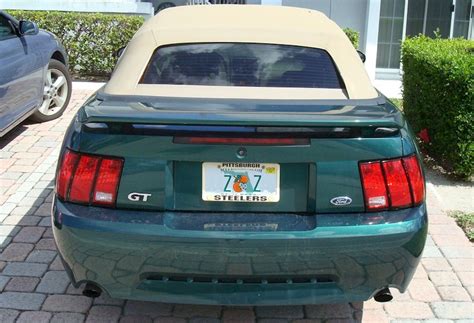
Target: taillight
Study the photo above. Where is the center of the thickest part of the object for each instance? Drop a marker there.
(107, 181)
(83, 180)
(397, 183)
(392, 184)
(68, 165)
(375, 191)
(417, 183)
(89, 179)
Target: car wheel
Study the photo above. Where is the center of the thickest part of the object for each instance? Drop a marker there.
(57, 92)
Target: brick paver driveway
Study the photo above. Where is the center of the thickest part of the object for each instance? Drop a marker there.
(34, 287)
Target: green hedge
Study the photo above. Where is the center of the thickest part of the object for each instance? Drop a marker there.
(90, 39)
(353, 36)
(438, 96)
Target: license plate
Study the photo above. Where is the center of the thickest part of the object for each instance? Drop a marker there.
(241, 182)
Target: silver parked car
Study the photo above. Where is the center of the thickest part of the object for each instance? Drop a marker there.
(34, 78)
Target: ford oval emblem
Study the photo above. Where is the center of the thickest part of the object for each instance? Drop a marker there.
(341, 200)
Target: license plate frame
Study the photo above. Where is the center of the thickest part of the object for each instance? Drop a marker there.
(257, 182)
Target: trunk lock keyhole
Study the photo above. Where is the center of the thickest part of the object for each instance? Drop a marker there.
(241, 152)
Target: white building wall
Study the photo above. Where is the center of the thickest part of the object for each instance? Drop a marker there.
(320, 5)
(346, 13)
(352, 14)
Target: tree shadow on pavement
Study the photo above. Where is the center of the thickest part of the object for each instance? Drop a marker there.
(12, 135)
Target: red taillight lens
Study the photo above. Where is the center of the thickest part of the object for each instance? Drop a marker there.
(65, 173)
(81, 186)
(373, 182)
(108, 178)
(393, 183)
(89, 179)
(241, 141)
(397, 183)
(415, 177)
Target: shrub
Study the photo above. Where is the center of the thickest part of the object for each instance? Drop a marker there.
(353, 36)
(90, 39)
(438, 98)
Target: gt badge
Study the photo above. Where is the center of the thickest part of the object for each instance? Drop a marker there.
(137, 197)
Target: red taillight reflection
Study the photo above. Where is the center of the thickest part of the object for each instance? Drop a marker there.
(89, 179)
(393, 184)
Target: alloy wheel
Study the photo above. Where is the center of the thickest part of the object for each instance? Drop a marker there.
(55, 92)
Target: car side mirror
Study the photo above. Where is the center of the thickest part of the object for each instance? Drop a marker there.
(28, 28)
(362, 56)
(119, 52)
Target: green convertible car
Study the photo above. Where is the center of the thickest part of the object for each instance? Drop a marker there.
(240, 155)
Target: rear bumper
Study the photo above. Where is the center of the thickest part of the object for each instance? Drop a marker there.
(143, 256)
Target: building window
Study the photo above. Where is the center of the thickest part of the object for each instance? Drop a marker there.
(429, 16)
(447, 18)
(438, 18)
(462, 17)
(416, 17)
(390, 33)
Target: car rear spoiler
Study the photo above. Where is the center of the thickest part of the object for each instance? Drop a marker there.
(298, 113)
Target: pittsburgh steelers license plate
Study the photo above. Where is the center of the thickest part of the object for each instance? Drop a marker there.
(241, 182)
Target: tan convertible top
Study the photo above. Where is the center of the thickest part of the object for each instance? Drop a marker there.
(245, 24)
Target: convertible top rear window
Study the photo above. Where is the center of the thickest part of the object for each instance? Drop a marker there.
(240, 64)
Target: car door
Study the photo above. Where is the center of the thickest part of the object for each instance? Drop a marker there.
(21, 75)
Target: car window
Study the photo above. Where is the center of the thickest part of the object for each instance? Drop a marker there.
(6, 30)
(240, 64)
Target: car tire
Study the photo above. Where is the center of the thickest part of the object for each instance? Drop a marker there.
(57, 92)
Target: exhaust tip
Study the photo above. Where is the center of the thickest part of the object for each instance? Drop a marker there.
(92, 290)
(383, 296)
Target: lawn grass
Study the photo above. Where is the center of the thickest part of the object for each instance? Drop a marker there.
(465, 221)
